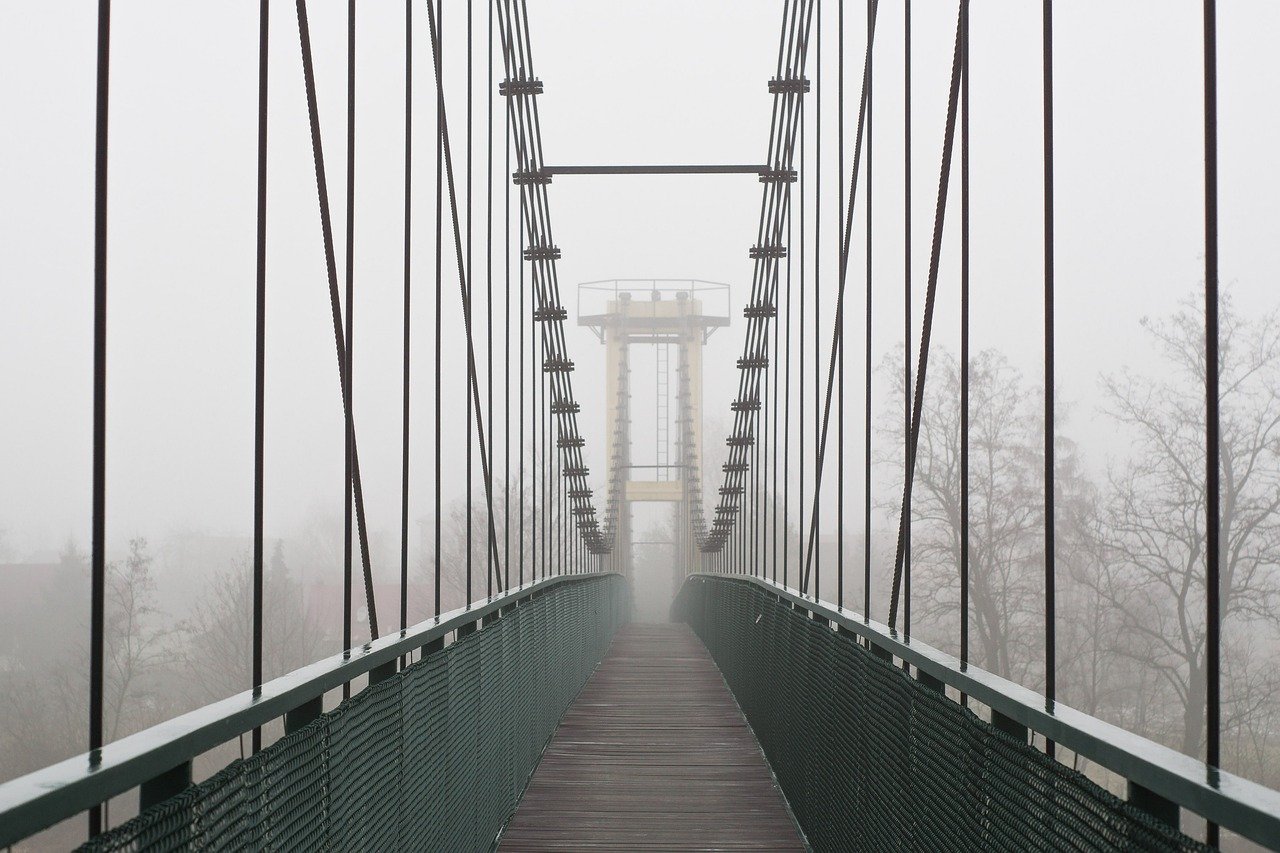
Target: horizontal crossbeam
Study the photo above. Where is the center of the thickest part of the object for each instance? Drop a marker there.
(686, 169)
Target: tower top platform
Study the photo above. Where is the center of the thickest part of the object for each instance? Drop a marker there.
(653, 307)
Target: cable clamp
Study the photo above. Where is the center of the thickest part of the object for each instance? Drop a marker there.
(531, 176)
(551, 313)
(745, 406)
(740, 440)
(541, 253)
(576, 470)
(758, 362)
(760, 309)
(565, 407)
(777, 176)
(788, 85)
(508, 87)
(557, 365)
(734, 467)
(769, 250)
(565, 441)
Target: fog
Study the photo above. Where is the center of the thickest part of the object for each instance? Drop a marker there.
(658, 82)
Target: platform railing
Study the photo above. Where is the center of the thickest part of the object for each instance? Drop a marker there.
(157, 761)
(796, 664)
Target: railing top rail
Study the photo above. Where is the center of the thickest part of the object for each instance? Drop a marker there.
(40, 799)
(1235, 803)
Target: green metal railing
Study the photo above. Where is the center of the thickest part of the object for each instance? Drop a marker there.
(432, 757)
(873, 754)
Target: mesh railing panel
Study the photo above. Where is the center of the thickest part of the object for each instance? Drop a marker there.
(433, 758)
(871, 759)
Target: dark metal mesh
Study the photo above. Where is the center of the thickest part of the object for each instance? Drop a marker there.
(433, 758)
(871, 759)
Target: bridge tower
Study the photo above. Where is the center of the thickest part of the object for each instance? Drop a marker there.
(672, 316)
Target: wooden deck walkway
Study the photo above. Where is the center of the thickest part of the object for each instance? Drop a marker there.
(654, 755)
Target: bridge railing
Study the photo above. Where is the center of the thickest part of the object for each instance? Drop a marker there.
(866, 741)
(566, 616)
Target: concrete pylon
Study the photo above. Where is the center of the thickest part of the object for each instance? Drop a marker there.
(660, 313)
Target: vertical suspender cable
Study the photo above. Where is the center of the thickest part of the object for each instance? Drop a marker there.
(535, 382)
(839, 218)
(803, 178)
(1050, 650)
(775, 401)
(335, 301)
(347, 486)
(1213, 615)
(98, 563)
(436, 26)
(866, 521)
(506, 337)
(838, 325)
(260, 354)
(926, 327)
(465, 286)
(488, 270)
(404, 426)
(549, 477)
(786, 418)
(521, 373)
(906, 312)
(467, 297)
(964, 332)
(817, 299)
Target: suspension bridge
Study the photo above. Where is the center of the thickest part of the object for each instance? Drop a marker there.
(539, 716)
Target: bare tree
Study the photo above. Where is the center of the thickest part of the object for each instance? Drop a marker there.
(219, 633)
(135, 643)
(1006, 515)
(1153, 571)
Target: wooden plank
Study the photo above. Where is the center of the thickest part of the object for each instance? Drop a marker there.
(654, 754)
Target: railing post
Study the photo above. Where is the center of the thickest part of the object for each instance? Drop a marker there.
(168, 784)
(382, 672)
(1155, 805)
(929, 681)
(1009, 725)
(303, 714)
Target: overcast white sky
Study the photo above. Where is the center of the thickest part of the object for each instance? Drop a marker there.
(661, 81)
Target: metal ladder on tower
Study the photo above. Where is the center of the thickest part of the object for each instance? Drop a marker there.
(663, 412)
